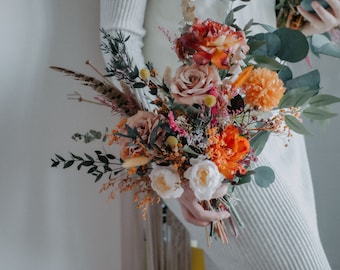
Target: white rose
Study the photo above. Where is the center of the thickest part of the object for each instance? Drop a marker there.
(204, 178)
(165, 182)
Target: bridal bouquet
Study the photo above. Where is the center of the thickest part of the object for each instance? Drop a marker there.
(205, 123)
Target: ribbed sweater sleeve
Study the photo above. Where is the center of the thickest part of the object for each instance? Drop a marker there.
(126, 16)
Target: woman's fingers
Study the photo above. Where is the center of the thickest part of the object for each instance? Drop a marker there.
(323, 19)
(194, 212)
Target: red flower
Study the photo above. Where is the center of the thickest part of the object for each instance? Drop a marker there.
(211, 42)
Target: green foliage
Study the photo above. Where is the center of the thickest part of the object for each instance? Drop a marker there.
(89, 136)
(294, 45)
(295, 125)
(323, 100)
(264, 176)
(296, 97)
(310, 79)
(97, 166)
(259, 141)
(314, 113)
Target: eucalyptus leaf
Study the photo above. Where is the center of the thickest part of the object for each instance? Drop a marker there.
(266, 61)
(271, 45)
(294, 45)
(323, 100)
(264, 176)
(285, 73)
(330, 49)
(310, 79)
(259, 141)
(296, 97)
(295, 125)
(314, 113)
(244, 179)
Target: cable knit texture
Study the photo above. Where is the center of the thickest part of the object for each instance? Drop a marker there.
(280, 221)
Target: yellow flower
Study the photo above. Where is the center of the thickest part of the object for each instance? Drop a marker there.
(172, 141)
(144, 73)
(135, 162)
(210, 101)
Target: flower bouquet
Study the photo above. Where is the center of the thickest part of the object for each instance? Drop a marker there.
(205, 124)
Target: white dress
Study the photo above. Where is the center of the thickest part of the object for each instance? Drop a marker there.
(280, 221)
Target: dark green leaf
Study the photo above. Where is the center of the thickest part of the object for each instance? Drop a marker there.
(132, 133)
(60, 157)
(92, 169)
(244, 179)
(98, 177)
(285, 73)
(268, 62)
(89, 157)
(134, 74)
(323, 100)
(314, 113)
(87, 163)
(271, 46)
(103, 159)
(76, 157)
(310, 80)
(107, 168)
(67, 164)
(295, 125)
(139, 85)
(110, 156)
(55, 163)
(296, 97)
(264, 176)
(259, 141)
(153, 134)
(294, 45)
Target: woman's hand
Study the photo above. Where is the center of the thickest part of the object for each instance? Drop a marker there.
(323, 20)
(193, 211)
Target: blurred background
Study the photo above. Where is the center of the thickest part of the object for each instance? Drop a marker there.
(55, 219)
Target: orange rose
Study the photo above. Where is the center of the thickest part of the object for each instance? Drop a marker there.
(227, 149)
(210, 41)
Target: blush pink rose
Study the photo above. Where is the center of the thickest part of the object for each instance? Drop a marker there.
(193, 82)
(144, 122)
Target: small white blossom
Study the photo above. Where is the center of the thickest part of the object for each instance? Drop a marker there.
(165, 182)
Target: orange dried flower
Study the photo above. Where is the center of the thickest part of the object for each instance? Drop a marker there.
(227, 149)
(264, 89)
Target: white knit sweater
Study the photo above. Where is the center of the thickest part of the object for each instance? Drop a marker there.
(281, 227)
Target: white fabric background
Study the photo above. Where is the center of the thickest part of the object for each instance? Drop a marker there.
(55, 219)
(50, 218)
